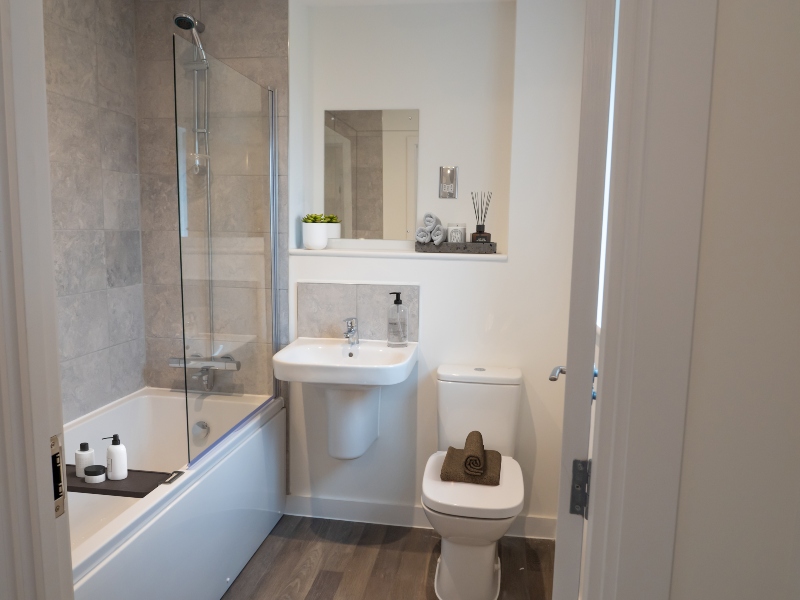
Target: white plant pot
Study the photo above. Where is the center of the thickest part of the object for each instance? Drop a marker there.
(315, 235)
(334, 230)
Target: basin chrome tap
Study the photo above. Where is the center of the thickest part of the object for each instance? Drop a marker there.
(352, 331)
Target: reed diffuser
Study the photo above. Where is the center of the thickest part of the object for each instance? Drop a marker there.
(481, 203)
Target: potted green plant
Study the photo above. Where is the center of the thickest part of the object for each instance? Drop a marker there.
(315, 232)
(334, 226)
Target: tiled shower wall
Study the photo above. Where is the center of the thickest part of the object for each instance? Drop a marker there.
(251, 37)
(91, 75)
(110, 112)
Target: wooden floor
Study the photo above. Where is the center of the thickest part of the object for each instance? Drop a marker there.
(318, 559)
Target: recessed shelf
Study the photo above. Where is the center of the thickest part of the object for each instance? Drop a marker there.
(403, 254)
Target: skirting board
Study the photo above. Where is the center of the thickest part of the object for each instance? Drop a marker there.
(397, 514)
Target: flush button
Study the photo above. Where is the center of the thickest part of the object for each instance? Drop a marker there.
(479, 369)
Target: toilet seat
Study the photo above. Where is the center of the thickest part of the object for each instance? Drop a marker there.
(470, 499)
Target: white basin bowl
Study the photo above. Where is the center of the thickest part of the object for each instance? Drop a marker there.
(333, 361)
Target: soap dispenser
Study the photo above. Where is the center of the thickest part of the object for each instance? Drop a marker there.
(398, 323)
(117, 459)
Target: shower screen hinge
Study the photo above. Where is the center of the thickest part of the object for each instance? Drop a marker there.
(581, 480)
(56, 463)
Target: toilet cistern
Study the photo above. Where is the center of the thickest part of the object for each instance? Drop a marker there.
(351, 333)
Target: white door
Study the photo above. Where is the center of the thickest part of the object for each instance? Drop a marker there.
(591, 185)
(35, 560)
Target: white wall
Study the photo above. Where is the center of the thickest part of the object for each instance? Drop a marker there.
(510, 313)
(454, 62)
(738, 531)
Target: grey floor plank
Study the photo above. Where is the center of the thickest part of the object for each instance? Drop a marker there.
(358, 569)
(319, 559)
(325, 585)
(247, 584)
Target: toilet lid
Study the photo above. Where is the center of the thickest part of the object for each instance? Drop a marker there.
(470, 499)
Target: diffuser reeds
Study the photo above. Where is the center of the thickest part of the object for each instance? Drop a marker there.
(480, 204)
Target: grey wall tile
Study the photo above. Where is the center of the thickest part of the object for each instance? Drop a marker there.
(233, 95)
(240, 260)
(373, 303)
(157, 146)
(243, 311)
(121, 200)
(118, 142)
(245, 27)
(154, 26)
(283, 145)
(283, 316)
(123, 258)
(116, 25)
(238, 146)
(157, 372)
(162, 310)
(240, 203)
(267, 72)
(116, 80)
(160, 257)
(255, 376)
(82, 324)
(76, 192)
(85, 384)
(76, 15)
(70, 63)
(195, 310)
(74, 130)
(154, 93)
(126, 364)
(283, 261)
(79, 261)
(283, 204)
(125, 314)
(159, 202)
(322, 308)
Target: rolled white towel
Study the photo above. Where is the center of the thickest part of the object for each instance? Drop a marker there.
(438, 235)
(423, 235)
(429, 221)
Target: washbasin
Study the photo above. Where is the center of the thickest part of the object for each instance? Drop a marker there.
(334, 361)
(352, 378)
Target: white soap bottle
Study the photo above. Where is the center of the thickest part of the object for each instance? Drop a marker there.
(397, 333)
(84, 457)
(117, 459)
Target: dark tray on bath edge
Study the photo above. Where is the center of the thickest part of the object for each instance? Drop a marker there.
(136, 485)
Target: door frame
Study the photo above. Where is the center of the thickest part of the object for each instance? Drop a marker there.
(35, 556)
(661, 123)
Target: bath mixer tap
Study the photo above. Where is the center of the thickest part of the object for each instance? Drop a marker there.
(352, 331)
(206, 375)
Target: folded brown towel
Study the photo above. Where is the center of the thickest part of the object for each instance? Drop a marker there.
(474, 454)
(453, 468)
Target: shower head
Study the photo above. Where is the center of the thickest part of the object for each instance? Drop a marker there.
(187, 22)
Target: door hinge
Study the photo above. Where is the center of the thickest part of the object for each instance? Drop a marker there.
(56, 464)
(581, 480)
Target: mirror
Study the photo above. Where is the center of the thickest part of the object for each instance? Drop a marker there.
(371, 159)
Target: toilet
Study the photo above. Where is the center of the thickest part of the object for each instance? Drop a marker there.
(471, 518)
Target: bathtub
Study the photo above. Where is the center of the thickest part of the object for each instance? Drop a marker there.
(190, 538)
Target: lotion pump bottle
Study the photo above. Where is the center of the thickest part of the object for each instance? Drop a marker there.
(83, 458)
(117, 459)
(398, 323)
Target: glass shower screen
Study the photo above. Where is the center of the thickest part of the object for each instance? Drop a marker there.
(226, 177)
